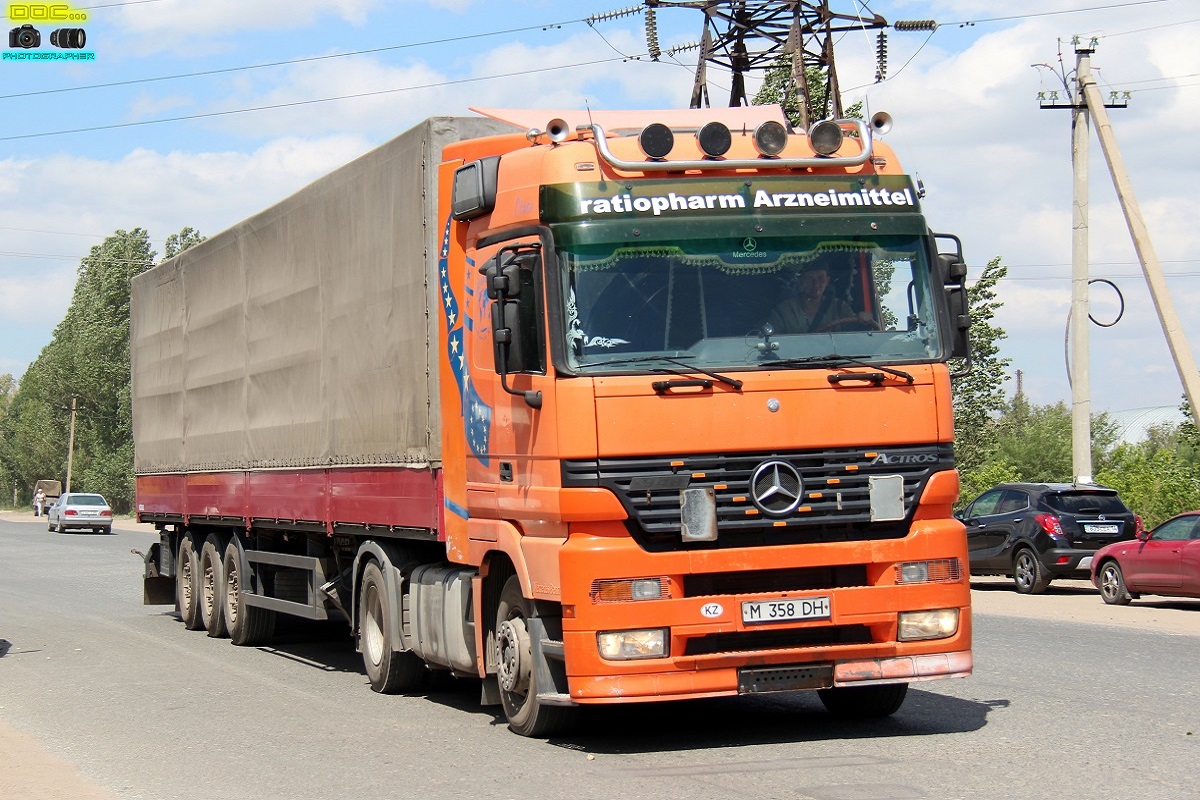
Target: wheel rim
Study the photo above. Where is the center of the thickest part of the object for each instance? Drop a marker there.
(210, 588)
(231, 594)
(1024, 570)
(1109, 585)
(512, 667)
(185, 573)
(373, 627)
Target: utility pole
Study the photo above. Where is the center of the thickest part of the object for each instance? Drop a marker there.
(71, 444)
(1185, 364)
(1081, 400)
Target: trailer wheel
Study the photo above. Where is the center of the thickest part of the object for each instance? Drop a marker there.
(247, 625)
(187, 583)
(212, 585)
(389, 671)
(515, 670)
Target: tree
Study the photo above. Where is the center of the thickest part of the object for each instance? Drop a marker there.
(1036, 440)
(178, 242)
(776, 87)
(978, 394)
(87, 361)
(1153, 480)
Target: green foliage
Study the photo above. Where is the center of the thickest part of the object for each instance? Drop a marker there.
(979, 394)
(777, 89)
(86, 360)
(1152, 480)
(977, 481)
(178, 242)
(1036, 440)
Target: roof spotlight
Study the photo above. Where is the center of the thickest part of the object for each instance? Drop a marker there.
(770, 138)
(825, 137)
(656, 140)
(715, 139)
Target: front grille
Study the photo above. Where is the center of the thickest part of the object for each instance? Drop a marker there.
(834, 504)
(779, 639)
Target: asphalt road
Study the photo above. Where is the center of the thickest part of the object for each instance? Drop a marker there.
(102, 697)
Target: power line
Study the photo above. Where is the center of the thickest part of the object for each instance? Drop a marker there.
(288, 62)
(296, 103)
(970, 22)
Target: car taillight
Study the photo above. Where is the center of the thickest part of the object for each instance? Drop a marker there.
(70, 512)
(1050, 524)
(106, 512)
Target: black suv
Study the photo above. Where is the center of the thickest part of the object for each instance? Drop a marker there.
(1036, 532)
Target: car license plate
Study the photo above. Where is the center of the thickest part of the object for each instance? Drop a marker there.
(787, 609)
(1100, 528)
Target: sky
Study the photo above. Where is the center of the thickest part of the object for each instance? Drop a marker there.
(198, 113)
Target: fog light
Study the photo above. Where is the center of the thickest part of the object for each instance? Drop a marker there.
(918, 625)
(715, 139)
(631, 645)
(825, 137)
(770, 138)
(656, 140)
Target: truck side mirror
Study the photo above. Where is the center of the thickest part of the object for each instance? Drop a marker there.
(510, 312)
(953, 273)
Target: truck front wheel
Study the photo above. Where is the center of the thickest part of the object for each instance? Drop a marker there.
(864, 702)
(388, 670)
(516, 673)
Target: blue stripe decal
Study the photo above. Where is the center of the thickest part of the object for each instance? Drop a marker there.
(455, 508)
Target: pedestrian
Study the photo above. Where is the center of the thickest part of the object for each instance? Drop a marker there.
(39, 500)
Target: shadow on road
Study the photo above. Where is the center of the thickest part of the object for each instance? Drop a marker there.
(1066, 588)
(638, 728)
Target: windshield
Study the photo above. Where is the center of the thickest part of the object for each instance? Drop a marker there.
(745, 301)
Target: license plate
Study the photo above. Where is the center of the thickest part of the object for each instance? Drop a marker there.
(1100, 529)
(788, 609)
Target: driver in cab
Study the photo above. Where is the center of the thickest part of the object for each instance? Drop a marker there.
(809, 306)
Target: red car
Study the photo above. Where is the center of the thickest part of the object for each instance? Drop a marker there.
(1164, 561)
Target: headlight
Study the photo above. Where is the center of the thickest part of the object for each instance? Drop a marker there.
(918, 625)
(631, 645)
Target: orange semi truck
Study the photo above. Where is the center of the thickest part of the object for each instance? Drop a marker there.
(552, 400)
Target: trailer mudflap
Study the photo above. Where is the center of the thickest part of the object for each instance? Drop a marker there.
(157, 589)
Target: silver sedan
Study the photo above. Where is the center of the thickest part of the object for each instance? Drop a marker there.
(80, 511)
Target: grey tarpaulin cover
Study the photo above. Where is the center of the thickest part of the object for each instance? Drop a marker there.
(306, 335)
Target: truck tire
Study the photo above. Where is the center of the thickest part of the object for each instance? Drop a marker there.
(515, 672)
(864, 702)
(389, 670)
(187, 583)
(212, 586)
(247, 625)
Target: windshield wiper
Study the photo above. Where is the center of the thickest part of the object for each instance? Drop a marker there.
(833, 360)
(734, 382)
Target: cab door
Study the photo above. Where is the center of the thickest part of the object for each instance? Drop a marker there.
(1158, 563)
(510, 425)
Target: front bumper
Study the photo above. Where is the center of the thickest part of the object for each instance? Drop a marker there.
(713, 652)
